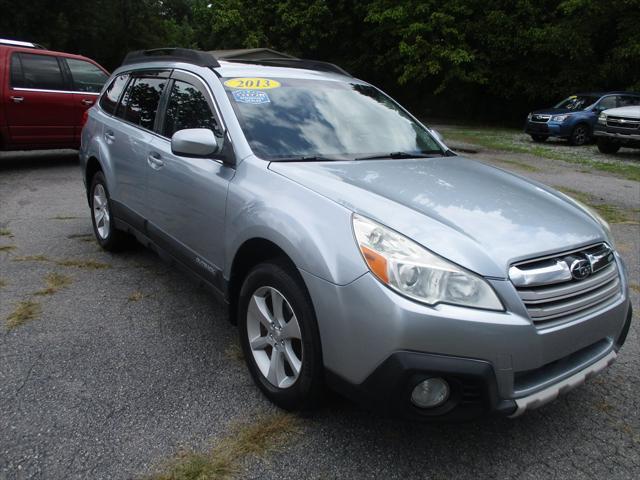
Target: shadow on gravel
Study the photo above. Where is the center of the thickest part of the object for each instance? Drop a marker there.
(25, 160)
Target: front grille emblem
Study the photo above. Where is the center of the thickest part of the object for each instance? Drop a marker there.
(580, 268)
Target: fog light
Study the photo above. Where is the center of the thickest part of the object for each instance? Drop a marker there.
(430, 393)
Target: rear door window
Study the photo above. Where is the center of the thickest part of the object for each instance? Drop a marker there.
(109, 100)
(140, 102)
(187, 108)
(40, 72)
(86, 76)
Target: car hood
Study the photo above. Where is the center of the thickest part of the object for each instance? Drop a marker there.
(475, 215)
(628, 112)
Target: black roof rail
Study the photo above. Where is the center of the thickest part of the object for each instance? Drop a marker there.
(294, 63)
(195, 57)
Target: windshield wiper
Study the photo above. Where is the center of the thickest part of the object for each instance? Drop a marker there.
(308, 158)
(400, 155)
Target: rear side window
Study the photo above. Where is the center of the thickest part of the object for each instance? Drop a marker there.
(86, 76)
(140, 102)
(36, 71)
(187, 108)
(109, 100)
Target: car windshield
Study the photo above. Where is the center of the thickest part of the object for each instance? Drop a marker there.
(285, 118)
(577, 102)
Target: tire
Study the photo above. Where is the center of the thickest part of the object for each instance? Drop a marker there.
(607, 146)
(539, 138)
(580, 135)
(288, 384)
(106, 234)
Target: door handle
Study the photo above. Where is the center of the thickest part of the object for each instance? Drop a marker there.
(109, 136)
(17, 99)
(155, 161)
(87, 102)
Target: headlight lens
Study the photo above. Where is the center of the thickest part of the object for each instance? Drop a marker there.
(602, 118)
(413, 271)
(559, 118)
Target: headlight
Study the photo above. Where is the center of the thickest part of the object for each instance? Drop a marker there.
(602, 119)
(413, 271)
(559, 118)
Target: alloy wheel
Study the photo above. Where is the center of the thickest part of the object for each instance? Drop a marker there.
(274, 337)
(101, 216)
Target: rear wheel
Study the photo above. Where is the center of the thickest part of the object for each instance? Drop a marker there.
(279, 336)
(580, 135)
(539, 138)
(607, 146)
(104, 229)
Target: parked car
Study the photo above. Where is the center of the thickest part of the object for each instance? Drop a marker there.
(574, 117)
(618, 127)
(353, 247)
(43, 96)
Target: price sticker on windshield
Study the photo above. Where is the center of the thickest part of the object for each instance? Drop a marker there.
(250, 83)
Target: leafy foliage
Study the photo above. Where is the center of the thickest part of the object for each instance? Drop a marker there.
(473, 57)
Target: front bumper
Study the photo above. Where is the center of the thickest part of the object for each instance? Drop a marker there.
(377, 345)
(618, 135)
(550, 128)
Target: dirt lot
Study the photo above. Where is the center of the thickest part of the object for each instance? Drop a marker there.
(117, 366)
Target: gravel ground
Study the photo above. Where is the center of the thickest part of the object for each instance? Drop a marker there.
(129, 363)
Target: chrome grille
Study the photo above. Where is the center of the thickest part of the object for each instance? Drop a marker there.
(621, 122)
(566, 286)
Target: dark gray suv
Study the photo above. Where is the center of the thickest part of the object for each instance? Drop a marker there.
(354, 249)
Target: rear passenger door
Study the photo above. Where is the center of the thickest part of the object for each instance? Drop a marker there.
(128, 136)
(188, 195)
(87, 80)
(40, 110)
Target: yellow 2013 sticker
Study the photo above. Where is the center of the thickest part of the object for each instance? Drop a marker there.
(251, 83)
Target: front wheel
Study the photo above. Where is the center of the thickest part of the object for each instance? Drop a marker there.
(279, 336)
(607, 146)
(104, 229)
(580, 135)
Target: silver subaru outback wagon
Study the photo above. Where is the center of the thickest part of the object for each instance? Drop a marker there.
(354, 249)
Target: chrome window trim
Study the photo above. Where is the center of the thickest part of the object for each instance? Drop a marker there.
(42, 90)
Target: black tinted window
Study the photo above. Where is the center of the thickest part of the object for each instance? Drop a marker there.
(109, 99)
(187, 108)
(38, 71)
(140, 103)
(626, 101)
(86, 76)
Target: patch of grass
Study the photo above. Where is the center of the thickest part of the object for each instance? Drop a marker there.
(234, 352)
(520, 165)
(80, 236)
(506, 141)
(55, 282)
(610, 213)
(225, 460)
(136, 296)
(3, 283)
(7, 248)
(23, 313)
(635, 286)
(86, 264)
(63, 217)
(5, 232)
(32, 258)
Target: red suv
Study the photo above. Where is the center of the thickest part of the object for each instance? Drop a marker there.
(43, 96)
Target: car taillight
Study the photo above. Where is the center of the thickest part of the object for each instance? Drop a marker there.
(85, 117)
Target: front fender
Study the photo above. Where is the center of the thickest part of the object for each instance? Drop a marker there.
(315, 232)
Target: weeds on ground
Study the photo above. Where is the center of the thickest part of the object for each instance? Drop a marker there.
(7, 248)
(23, 313)
(136, 296)
(86, 264)
(63, 217)
(225, 460)
(5, 232)
(234, 352)
(55, 282)
(3, 283)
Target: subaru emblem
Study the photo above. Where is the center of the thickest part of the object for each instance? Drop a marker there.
(580, 269)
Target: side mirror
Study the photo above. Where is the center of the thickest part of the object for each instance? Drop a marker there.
(195, 142)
